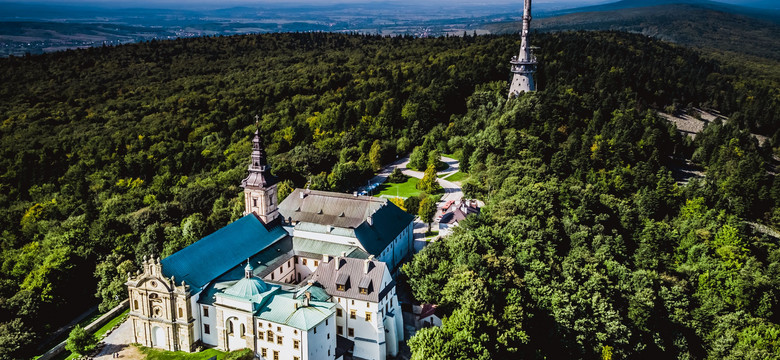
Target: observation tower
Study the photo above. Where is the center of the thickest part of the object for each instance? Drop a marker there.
(524, 64)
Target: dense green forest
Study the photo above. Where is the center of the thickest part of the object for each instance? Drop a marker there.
(110, 154)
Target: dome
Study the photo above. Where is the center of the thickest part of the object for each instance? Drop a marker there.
(248, 287)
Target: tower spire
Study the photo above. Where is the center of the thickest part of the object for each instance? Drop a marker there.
(524, 64)
(260, 185)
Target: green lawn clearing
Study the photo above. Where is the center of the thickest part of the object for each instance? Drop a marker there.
(457, 176)
(157, 354)
(404, 189)
(111, 323)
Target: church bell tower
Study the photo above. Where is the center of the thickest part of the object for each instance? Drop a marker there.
(260, 186)
(524, 64)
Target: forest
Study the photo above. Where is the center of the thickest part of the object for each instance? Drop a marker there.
(587, 246)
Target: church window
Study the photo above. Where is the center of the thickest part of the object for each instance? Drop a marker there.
(296, 344)
(270, 336)
(205, 312)
(254, 202)
(368, 316)
(206, 329)
(135, 304)
(157, 312)
(243, 330)
(181, 313)
(353, 314)
(338, 312)
(230, 327)
(351, 332)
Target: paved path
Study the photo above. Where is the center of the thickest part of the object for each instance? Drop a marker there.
(119, 342)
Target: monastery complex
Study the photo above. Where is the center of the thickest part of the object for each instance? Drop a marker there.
(309, 278)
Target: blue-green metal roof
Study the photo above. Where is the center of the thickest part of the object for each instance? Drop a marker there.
(215, 254)
(316, 291)
(284, 308)
(248, 288)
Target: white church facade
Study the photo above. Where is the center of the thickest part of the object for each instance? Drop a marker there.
(309, 278)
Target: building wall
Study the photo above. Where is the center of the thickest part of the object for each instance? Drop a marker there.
(160, 311)
(208, 317)
(367, 334)
(262, 202)
(321, 340)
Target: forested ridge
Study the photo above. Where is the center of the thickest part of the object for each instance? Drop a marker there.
(110, 154)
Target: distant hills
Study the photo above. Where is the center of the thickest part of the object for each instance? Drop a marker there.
(718, 27)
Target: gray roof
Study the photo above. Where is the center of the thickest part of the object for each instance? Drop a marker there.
(345, 211)
(329, 208)
(458, 214)
(351, 274)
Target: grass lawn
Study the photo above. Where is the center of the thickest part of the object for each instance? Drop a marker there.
(156, 354)
(456, 176)
(111, 323)
(404, 189)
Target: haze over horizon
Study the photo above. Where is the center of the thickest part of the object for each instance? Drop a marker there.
(211, 4)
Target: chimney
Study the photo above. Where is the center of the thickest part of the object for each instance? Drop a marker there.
(370, 220)
(325, 258)
(367, 264)
(306, 298)
(302, 194)
(338, 260)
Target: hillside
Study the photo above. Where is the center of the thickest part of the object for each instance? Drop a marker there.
(115, 153)
(718, 28)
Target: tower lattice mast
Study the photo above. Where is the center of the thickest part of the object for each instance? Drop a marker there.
(523, 65)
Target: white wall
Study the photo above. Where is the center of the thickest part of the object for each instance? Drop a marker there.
(211, 321)
(284, 273)
(288, 334)
(322, 343)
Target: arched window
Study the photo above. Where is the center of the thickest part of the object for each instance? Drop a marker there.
(243, 330)
(230, 327)
(181, 313)
(135, 304)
